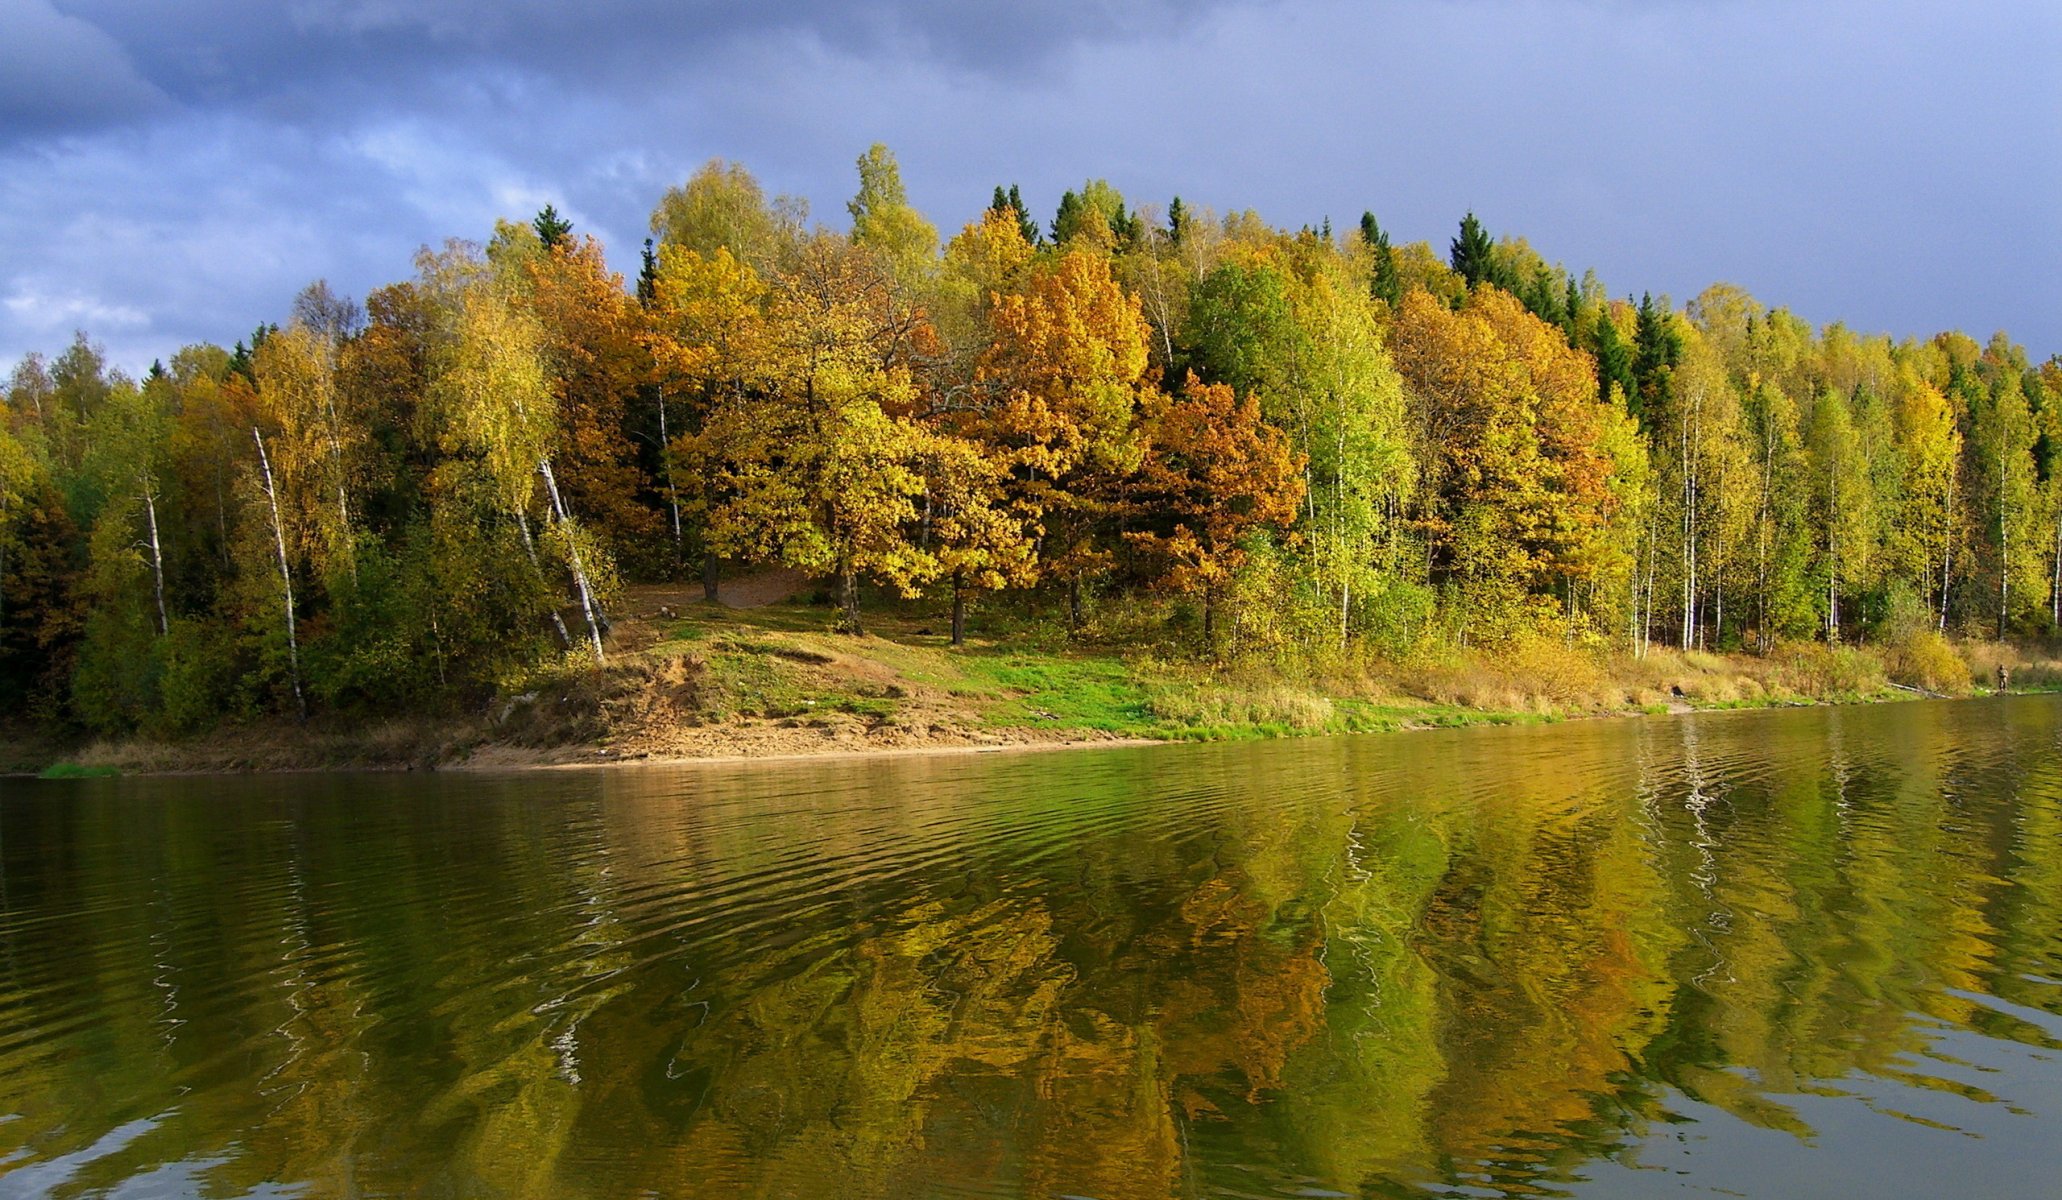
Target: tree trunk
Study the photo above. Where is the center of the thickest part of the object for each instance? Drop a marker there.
(848, 601)
(959, 613)
(1345, 611)
(157, 558)
(1762, 518)
(286, 577)
(565, 639)
(588, 607)
(336, 462)
(1833, 603)
(1074, 604)
(712, 574)
(672, 489)
(1947, 549)
(2004, 574)
(2055, 583)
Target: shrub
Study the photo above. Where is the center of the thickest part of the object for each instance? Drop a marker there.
(1923, 659)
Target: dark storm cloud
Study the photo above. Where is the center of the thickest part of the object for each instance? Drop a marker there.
(305, 58)
(59, 74)
(175, 172)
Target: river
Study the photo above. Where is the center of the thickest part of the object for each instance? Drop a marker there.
(1773, 954)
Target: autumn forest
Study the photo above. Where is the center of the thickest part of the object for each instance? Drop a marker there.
(1290, 446)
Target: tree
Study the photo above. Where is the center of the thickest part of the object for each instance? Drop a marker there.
(979, 538)
(707, 337)
(815, 465)
(1097, 213)
(1304, 338)
(2000, 449)
(883, 219)
(1703, 469)
(1473, 255)
(1781, 520)
(1383, 283)
(722, 207)
(1214, 473)
(1614, 362)
(552, 229)
(1656, 350)
(286, 574)
(600, 366)
(492, 395)
(1056, 394)
(1516, 495)
(1011, 204)
(315, 448)
(1925, 527)
(1841, 502)
(126, 457)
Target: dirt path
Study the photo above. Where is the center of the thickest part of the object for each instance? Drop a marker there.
(761, 588)
(745, 591)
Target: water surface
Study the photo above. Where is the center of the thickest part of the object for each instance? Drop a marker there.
(1796, 954)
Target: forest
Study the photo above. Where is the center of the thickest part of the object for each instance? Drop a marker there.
(1201, 432)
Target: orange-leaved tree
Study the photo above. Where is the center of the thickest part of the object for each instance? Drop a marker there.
(1058, 394)
(1214, 474)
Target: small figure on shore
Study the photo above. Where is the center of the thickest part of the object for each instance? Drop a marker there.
(2004, 677)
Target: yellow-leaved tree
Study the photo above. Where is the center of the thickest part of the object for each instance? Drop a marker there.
(813, 460)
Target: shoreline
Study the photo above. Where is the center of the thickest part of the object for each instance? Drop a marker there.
(501, 758)
(725, 687)
(511, 764)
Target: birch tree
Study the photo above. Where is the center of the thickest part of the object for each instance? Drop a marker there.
(492, 395)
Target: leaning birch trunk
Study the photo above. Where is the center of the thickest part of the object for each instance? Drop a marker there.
(1947, 548)
(157, 556)
(336, 466)
(588, 608)
(565, 639)
(672, 487)
(286, 578)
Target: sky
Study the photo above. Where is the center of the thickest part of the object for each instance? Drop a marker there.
(172, 173)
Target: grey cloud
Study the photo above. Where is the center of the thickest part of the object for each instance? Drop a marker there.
(309, 58)
(1885, 164)
(60, 74)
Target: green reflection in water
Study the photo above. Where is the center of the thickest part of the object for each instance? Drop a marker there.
(1780, 954)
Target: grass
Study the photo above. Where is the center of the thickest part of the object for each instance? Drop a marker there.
(69, 770)
(785, 663)
(682, 685)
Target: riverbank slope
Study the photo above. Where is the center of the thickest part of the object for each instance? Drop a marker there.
(689, 681)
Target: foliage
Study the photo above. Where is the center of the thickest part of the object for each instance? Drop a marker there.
(1315, 452)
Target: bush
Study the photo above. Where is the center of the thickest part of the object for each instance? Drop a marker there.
(200, 675)
(1827, 672)
(1923, 659)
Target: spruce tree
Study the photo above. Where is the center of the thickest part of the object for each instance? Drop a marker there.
(1473, 254)
(551, 228)
(1383, 283)
(1614, 364)
(1657, 349)
(648, 274)
(1026, 225)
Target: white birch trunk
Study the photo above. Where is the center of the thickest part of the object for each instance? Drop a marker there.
(286, 577)
(588, 608)
(672, 486)
(565, 639)
(157, 556)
